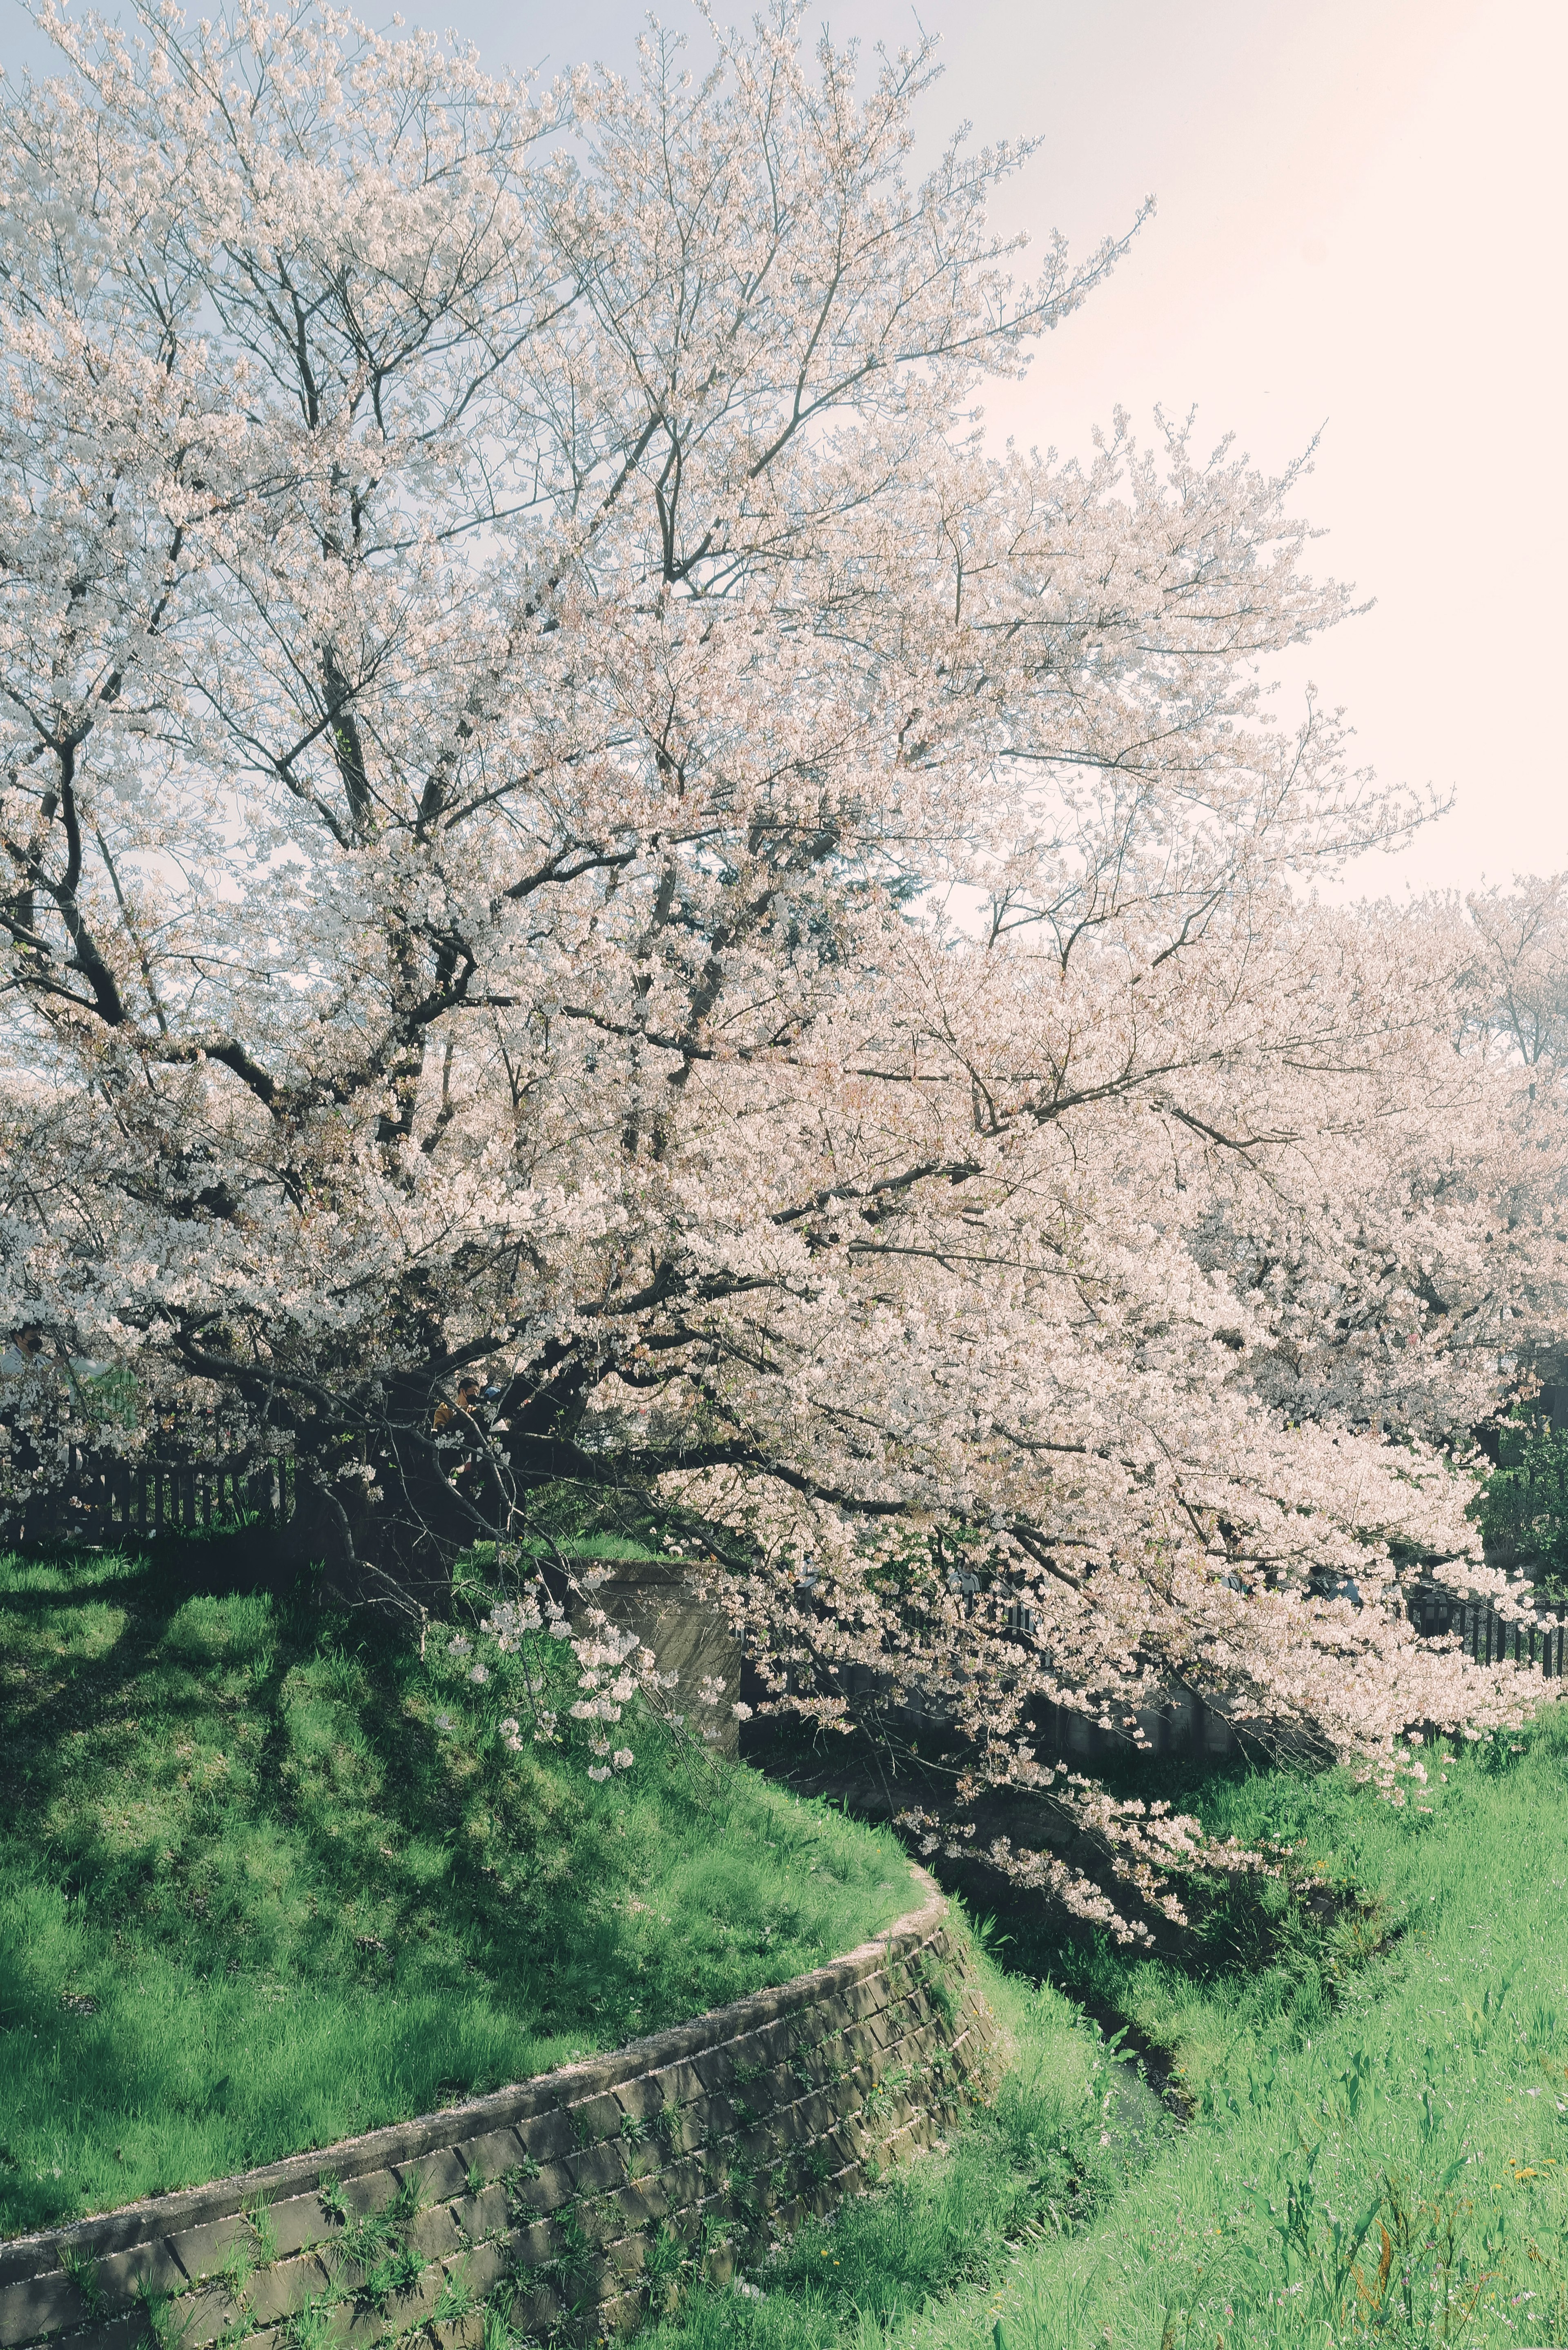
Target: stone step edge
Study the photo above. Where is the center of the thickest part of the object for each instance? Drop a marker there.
(163, 2215)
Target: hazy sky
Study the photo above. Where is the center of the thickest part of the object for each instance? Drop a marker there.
(1358, 228)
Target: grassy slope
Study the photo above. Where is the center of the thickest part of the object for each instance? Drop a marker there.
(254, 1897)
(1380, 2150)
(1379, 2153)
(296, 1905)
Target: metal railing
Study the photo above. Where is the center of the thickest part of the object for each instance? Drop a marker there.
(103, 1499)
(1540, 1640)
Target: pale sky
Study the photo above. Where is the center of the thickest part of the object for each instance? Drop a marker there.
(1359, 216)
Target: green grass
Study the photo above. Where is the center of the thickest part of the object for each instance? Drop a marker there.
(266, 1879)
(1378, 2147)
(254, 1895)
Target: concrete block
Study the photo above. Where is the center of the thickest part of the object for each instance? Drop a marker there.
(555, 2186)
(683, 2132)
(816, 2112)
(277, 2292)
(411, 2309)
(685, 2184)
(789, 2125)
(547, 2137)
(644, 2204)
(622, 2315)
(441, 2174)
(483, 2215)
(918, 2044)
(770, 2042)
(202, 2251)
(371, 2193)
(598, 2219)
(461, 2333)
(128, 2333)
(298, 2222)
(491, 2155)
(594, 2118)
(538, 2312)
(485, 2266)
(206, 2313)
(145, 2268)
(435, 2234)
(640, 2098)
(532, 2247)
(35, 2306)
(366, 2326)
(679, 2084)
(627, 2257)
(597, 2167)
(861, 2000)
(778, 2084)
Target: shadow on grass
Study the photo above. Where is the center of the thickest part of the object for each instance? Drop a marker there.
(267, 1877)
(1281, 1948)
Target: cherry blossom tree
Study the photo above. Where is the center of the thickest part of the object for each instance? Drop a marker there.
(1516, 987)
(599, 887)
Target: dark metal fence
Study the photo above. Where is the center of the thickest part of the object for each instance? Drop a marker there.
(1540, 1640)
(103, 1500)
(1182, 1723)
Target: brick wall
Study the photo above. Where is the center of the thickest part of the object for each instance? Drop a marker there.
(574, 2201)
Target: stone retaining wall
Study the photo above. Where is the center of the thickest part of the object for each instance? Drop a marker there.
(572, 2203)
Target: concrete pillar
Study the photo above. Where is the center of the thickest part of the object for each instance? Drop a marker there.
(688, 1636)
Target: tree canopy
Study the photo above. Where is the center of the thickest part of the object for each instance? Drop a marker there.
(598, 885)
